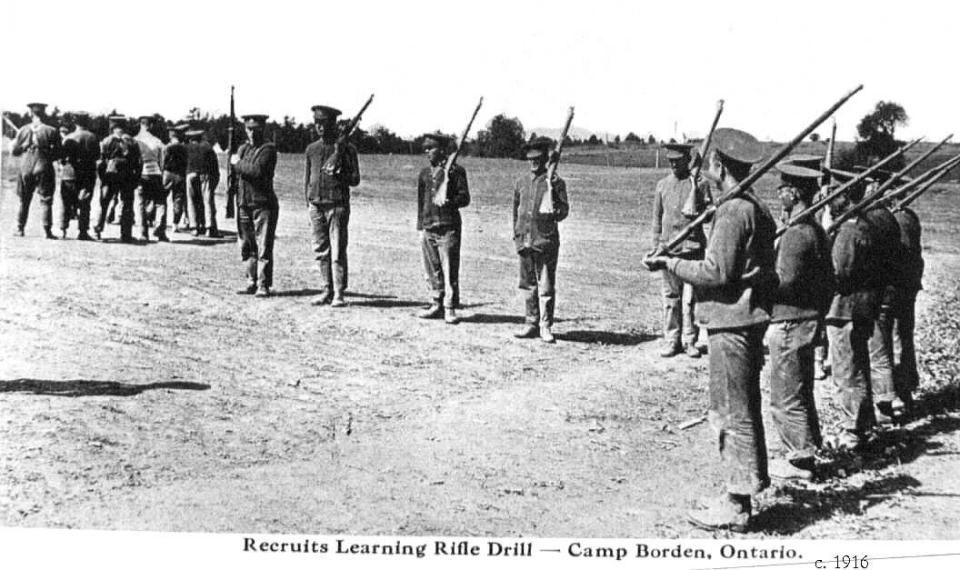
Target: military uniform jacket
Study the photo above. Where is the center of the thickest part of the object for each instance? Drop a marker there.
(325, 189)
(429, 216)
(912, 249)
(668, 219)
(804, 274)
(121, 156)
(255, 169)
(202, 159)
(39, 144)
(734, 280)
(532, 230)
(857, 294)
(175, 158)
(151, 150)
(885, 237)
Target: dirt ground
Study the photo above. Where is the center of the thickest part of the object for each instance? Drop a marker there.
(137, 391)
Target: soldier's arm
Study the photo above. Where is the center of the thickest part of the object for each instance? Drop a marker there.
(353, 164)
(461, 195)
(656, 222)
(719, 266)
(257, 165)
(213, 168)
(561, 206)
(516, 203)
(306, 175)
(791, 256)
(844, 256)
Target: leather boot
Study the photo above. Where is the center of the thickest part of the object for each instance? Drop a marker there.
(48, 233)
(450, 316)
(528, 330)
(727, 512)
(434, 311)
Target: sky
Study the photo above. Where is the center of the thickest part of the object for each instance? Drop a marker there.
(626, 66)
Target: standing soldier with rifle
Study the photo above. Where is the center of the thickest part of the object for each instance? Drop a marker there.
(733, 283)
(332, 168)
(803, 293)
(258, 208)
(537, 237)
(39, 146)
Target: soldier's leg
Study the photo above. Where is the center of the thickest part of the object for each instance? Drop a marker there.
(448, 247)
(248, 249)
(25, 187)
(210, 201)
(338, 219)
(792, 405)
(266, 230)
(881, 363)
(46, 187)
(143, 207)
(321, 249)
(193, 199)
(528, 289)
(736, 357)
(851, 368)
(432, 267)
(671, 289)
(907, 378)
(68, 203)
(127, 191)
(546, 285)
(84, 198)
(108, 188)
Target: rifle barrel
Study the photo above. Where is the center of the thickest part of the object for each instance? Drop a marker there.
(947, 167)
(913, 164)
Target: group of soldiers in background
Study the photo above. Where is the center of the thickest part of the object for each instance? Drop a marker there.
(186, 168)
(860, 284)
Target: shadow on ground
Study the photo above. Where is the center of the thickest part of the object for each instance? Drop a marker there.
(606, 337)
(80, 388)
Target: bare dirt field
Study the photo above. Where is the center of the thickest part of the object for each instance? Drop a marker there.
(137, 391)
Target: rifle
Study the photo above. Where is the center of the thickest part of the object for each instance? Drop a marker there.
(11, 124)
(332, 164)
(942, 171)
(747, 182)
(828, 160)
(232, 181)
(546, 202)
(690, 205)
(440, 196)
(856, 179)
(913, 164)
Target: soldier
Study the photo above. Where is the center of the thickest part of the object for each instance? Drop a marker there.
(39, 145)
(440, 228)
(120, 168)
(68, 187)
(671, 195)
(732, 285)
(330, 172)
(153, 195)
(203, 176)
(254, 164)
(849, 321)
(804, 290)
(537, 239)
(81, 151)
(175, 174)
(906, 378)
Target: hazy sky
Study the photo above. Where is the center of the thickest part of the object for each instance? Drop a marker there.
(626, 66)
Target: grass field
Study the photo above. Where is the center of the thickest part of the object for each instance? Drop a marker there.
(138, 392)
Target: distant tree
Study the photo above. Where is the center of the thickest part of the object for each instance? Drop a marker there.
(815, 137)
(633, 138)
(532, 136)
(503, 138)
(875, 133)
(651, 139)
(883, 120)
(616, 139)
(593, 140)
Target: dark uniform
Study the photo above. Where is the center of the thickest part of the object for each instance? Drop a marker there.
(258, 206)
(670, 197)
(803, 293)
(175, 174)
(733, 284)
(906, 378)
(38, 145)
(120, 168)
(327, 192)
(537, 239)
(203, 176)
(81, 151)
(440, 228)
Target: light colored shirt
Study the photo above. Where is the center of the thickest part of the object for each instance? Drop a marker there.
(151, 150)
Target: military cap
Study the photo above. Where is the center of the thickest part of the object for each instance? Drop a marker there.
(678, 150)
(738, 146)
(322, 112)
(537, 147)
(436, 140)
(37, 106)
(147, 118)
(194, 133)
(800, 166)
(117, 119)
(254, 120)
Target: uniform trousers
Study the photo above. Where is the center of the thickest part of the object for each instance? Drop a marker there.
(880, 345)
(43, 182)
(113, 185)
(258, 229)
(201, 201)
(736, 357)
(850, 357)
(176, 186)
(906, 378)
(441, 264)
(678, 308)
(792, 404)
(329, 225)
(153, 202)
(538, 278)
(75, 198)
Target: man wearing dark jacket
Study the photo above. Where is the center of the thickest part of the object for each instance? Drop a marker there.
(81, 150)
(803, 293)
(254, 164)
(203, 176)
(120, 168)
(440, 227)
(175, 174)
(38, 145)
(732, 284)
(906, 378)
(537, 238)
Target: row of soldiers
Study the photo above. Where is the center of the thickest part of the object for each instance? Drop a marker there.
(860, 284)
(186, 168)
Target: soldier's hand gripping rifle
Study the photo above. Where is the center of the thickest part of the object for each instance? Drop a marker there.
(546, 202)
(815, 207)
(333, 163)
(942, 171)
(690, 206)
(441, 191)
(747, 182)
(232, 181)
